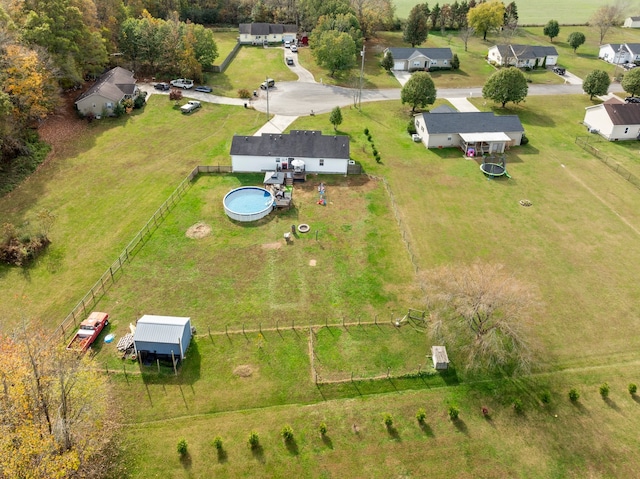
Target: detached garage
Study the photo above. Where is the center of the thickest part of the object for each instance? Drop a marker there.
(162, 337)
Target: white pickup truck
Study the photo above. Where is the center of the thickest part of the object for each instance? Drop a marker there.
(183, 83)
(190, 106)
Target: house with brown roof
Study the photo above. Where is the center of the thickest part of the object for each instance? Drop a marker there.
(264, 33)
(614, 120)
(110, 89)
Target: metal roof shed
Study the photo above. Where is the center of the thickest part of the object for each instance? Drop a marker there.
(162, 336)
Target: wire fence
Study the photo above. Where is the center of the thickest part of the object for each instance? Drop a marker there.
(109, 277)
(584, 143)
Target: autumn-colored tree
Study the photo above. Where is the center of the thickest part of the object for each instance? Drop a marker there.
(373, 15)
(486, 16)
(55, 414)
(483, 313)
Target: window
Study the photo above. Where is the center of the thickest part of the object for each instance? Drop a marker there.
(434, 62)
(416, 64)
(277, 160)
(445, 62)
(449, 138)
(109, 105)
(321, 163)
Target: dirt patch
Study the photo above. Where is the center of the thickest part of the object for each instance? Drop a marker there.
(243, 371)
(199, 230)
(272, 246)
(312, 262)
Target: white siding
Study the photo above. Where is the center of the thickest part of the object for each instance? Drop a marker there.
(551, 60)
(249, 164)
(596, 117)
(95, 104)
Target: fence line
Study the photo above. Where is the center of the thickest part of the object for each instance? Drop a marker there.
(109, 277)
(396, 213)
(583, 142)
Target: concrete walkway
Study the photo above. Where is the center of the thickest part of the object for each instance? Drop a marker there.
(277, 124)
(462, 104)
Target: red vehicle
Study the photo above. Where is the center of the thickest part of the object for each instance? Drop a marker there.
(89, 331)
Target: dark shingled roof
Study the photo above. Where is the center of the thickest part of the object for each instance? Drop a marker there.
(114, 85)
(298, 143)
(431, 53)
(623, 114)
(471, 122)
(526, 51)
(266, 28)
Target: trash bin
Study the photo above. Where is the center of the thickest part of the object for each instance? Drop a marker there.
(255, 92)
(245, 105)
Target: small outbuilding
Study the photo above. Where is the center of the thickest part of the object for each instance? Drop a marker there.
(440, 358)
(162, 337)
(632, 22)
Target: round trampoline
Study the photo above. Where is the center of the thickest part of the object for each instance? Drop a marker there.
(248, 203)
(493, 169)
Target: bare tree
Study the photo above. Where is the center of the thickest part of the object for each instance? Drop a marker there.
(608, 16)
(465, 34)
(482, 313)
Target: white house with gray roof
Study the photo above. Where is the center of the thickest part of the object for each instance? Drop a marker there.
(411, 59)
(614, 120)
(261, 33)
(110, 89)
(523, 56)
(620, 53)
(483, 132)
(275, 152)
(631, 22)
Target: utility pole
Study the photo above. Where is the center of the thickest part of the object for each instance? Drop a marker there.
(266, 82)
(361, 77)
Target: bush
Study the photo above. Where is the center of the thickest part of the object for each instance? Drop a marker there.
(217, 443)
(545, 397)
(604, 390)
(20, 249)
(140, 100)
(518, 406)
(375, 152)
(244, 93)
(574, 395)
(118, 110)
(182, 446)
(377, 157)
(366, 132)
(421, 415)
(287, 432)
(322, 428)
(254, 440)
(454, 412)
(411, 127)
(485, 411)
(633, 388)
(175, 94)
(524, 140)
(388, 419)
(455, 62)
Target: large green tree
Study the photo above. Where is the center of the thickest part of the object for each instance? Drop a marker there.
(576, 39)
(596, 83)
(505, 85)
(486, 16)
(631, 82)
(551, 29)
(335, 51)
(419, 91)
(416, 30)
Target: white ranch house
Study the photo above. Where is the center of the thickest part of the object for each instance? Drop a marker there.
(276, 152)
(410, 59)
(261, 33)
(522, 56)
(483, 132)
(110, 89)
(631, 22)
(614, 120)
(620, 53)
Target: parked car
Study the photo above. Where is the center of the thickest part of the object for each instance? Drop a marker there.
(269, 83)
(203, 88)
(559, 70)
(629, 66)
(294, 49)
(190, 106)
(287, 44)
(183, 83)
(289, 61)
(162, 86)
(632, 99)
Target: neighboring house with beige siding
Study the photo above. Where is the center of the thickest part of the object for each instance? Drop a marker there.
(110, 89)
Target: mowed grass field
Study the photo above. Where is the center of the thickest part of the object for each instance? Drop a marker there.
(537, 12)
(576, 246)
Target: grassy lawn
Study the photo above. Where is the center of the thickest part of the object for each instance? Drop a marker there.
(576, 247)
(249, 68)
(225, 40)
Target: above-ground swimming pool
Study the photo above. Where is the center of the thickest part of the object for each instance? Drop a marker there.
(248, 203)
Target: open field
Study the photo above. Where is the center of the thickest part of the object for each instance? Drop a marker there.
(576, 246)
(537, 12)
